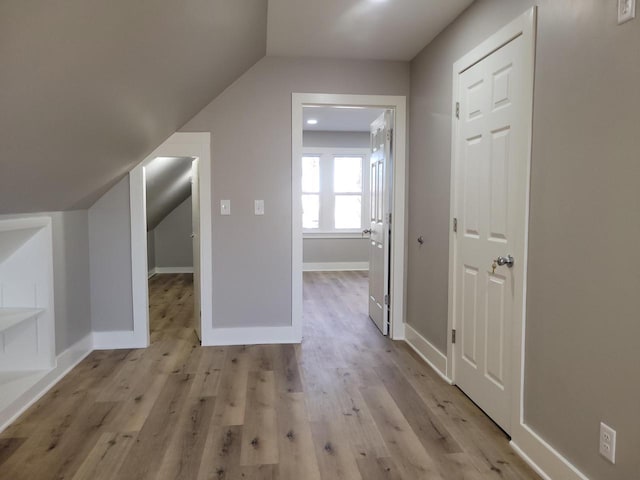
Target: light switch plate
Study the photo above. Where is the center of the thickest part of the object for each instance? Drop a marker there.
(258, 207)
(626, 10)
(225, 207)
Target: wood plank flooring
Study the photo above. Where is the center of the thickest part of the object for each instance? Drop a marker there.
(346, 404)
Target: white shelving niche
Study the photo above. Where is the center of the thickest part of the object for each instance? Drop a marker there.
(27, 328)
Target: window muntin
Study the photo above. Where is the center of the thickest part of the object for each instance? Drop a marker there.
(335, 190)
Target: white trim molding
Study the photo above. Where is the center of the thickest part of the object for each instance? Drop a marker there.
(536, 451)
(64, 363)
(116, 340)
(197, 145)
(427, 351)
(335, 266)
(161, 270)
(254, 335)
(399, 226)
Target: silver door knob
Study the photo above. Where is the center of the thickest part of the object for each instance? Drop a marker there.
(508, 261)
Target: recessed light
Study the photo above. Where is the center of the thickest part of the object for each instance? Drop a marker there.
(312, 121)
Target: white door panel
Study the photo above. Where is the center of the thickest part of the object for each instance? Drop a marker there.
(380, 206)
(195, 221)
(490, 194)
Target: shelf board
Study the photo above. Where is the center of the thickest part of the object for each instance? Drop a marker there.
(10, 317)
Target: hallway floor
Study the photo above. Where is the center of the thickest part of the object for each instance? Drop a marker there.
(346, 404)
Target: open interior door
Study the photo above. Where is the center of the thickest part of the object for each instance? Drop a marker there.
(195, 236)
(380, 219)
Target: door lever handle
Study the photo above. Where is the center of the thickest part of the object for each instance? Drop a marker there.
(368, 231)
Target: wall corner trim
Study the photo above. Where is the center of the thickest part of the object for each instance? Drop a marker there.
(542, 457)
(66, 361)
(428, 352)
(161, 270)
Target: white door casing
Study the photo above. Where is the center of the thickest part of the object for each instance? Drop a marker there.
(195, 237)
(398, 177)
(491, 184)
(379, 226)
(181, 144)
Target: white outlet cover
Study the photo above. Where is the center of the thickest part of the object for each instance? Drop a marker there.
(608, 442)
(626, 10)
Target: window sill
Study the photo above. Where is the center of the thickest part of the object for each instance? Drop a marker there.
(334, 235)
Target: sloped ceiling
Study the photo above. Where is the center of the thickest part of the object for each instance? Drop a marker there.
(363, 29)
(168, 184)
(89, 87)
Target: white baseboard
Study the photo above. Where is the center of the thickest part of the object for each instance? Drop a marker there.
(542, 457)
(151, 273)
(159, 270)
(116, 340)
(335, 267)
(65, 362)
(250, 336)
(430, 354)
(531, 447)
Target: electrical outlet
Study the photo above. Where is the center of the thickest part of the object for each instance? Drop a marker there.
(626, 10)
(608, 442)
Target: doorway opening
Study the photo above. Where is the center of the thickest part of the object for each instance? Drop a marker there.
(173, 249)
(345, 196)
(196, 148)
(348, 185)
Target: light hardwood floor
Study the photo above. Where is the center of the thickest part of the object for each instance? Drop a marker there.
(346, 404)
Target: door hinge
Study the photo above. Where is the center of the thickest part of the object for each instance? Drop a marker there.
(457, 109)
(453, 336)
(388, 136)
(455, 225)
(386, 299)
(389, 219)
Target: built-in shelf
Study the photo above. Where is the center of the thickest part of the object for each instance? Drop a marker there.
(10, 317)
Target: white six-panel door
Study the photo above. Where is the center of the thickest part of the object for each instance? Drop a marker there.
(489, 204)
(379, 208)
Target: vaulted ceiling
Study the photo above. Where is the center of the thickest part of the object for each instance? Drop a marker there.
(89, 87)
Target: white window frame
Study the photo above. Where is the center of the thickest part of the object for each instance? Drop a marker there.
(327, 154)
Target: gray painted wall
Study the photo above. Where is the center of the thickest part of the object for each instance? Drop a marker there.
(250, 123)
(151, 251)
(583, 302)
(326, 139)
(110, 254)
(173, 242)
(323, 250)
(71, 292)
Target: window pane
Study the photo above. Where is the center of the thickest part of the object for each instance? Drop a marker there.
(347, 174)
(310, 211)
(348, 212)
(311, 174)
